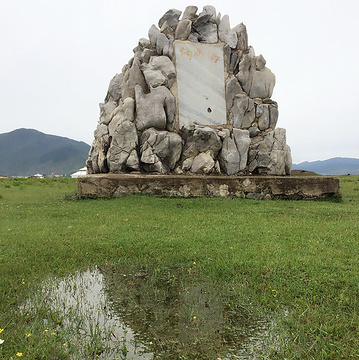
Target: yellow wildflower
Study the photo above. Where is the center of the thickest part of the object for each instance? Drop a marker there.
(28, 335)
(19, 354)
(1, 330)
(194, 317)
(150, 342)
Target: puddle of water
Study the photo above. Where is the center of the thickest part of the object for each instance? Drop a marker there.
(187, 322)
(79, 305)
(111, 315)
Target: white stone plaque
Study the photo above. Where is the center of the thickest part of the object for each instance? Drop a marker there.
(200, 83)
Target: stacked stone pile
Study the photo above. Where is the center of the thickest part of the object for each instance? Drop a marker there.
(139, 128)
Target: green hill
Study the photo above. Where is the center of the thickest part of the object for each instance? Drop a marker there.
(334, 166)
(25, 152)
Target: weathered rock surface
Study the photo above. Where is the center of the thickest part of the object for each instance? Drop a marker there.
(160, 150)
(242, 37)
(114, 92)
(262, 84)
(246, 70)
(133, 76)
(229, 156)
(148, 124)
(242, 113)
(124, 111)
(242, 140)
(183, 29)
(190, 13)
(226, 34)
(122, 154)
(205, 26)
(198, 139)
(262, 115)
(97, 159)
(203, 163)
(106, 111)
(171, 17)
(159, 71)
(280, 154)
(156, 109)
(270, 154)
(233, 88)
(162, 43)
(273, 116)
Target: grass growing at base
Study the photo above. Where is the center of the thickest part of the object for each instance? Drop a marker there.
(295, 261)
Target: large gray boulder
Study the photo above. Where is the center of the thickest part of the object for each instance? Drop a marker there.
(263, 80)
(114, 92)
(201, 147)
(242, 37)
(233, 88)
(160, 150)
(190, 13)
(122, 155)
(242, 113)
(183, 29)
(267, 116)
(229, 156)
(206, 26)
(199, 139)
(106, 111)
(124, 111)
(171, 17)
(99, 149)
(273, 116)
(246, 69)
(203, 163)
(270, 155)
(159, 71)
(162, 43)
(132, 77)
(234, 153)
(243, 141)
(263, 116)
(226, 34)
(156, 109)
(206, 139)
(255, 78)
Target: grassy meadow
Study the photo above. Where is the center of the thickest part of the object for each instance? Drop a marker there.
(293, 264)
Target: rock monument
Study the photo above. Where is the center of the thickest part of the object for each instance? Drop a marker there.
(194, 99)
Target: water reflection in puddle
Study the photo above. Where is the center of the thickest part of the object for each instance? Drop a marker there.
(114, 315)
(79, 306)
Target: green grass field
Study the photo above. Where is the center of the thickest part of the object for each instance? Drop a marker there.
(211, 267)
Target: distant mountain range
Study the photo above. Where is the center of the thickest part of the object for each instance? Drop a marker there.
(25, 152)
(334, 166)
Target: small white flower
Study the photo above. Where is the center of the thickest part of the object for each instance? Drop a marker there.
(1, 341)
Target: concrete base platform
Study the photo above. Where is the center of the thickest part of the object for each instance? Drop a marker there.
(250, 187)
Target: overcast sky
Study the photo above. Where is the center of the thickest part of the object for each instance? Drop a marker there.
(58, 57)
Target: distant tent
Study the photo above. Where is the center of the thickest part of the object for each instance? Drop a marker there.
(37, 176)
(80, 172)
